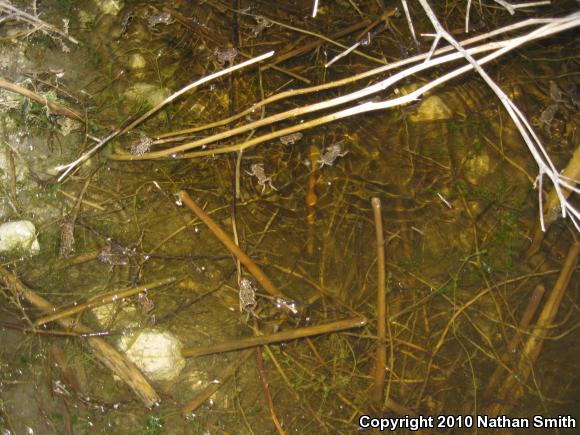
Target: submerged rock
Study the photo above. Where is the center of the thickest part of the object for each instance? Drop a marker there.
(19, 236)
(156, 353)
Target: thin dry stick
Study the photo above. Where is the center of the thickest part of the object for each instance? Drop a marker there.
(104, 352)
(330, 85)
(552, 205)
(122, 130)
(208, 391)
(252, 267)
(535, 342)
(545, 165)
(266, 388)
(54, 107)
(97, 301)
(86, 202)
(34, 20)
(500, 49)
(512, 347)
(381, 352)
(294, 334)
(193, 85)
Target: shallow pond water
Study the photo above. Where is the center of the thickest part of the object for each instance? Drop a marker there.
(459, 210)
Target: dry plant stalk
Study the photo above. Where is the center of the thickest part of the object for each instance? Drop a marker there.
(381, 352)
(209, 391)
(97, 301)
(252, 267)
(545, 165)
(266, 388)
(552, 206)
(130, 124)
(552, 26)
(533, 345)
(523, 325)
(33, 20)
(54, 107)
(326, 328)
(104, 352)
(311, 198)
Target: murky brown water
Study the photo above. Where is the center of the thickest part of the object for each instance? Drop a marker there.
(452, 172)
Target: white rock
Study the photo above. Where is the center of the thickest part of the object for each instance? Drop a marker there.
(432, 108)
(19, 236)
(123, 314)
(156, 353)
(146, 92)
(137, 61)
(110, 6)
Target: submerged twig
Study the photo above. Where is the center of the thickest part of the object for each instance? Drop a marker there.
(381, 352)
(112, 359)
(533, 346)
(97, 301)
(266, 388)
(210, 390)
(252, 267)
(34, 20)
(54, 107)
(132, 124)
(278, 337)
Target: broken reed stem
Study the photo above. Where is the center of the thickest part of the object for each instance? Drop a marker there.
(552, 205)
(347, 80)
(34, 20)
(211, 389)
(526, 319)
(97, 301)
(278, 337)
(54, 107)
(535, 342)
(512, 346)
(266, 388)
(129, 125)
(381, 352)
(252, 267)
(102, 350)
(193, 85)
(365, 92)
